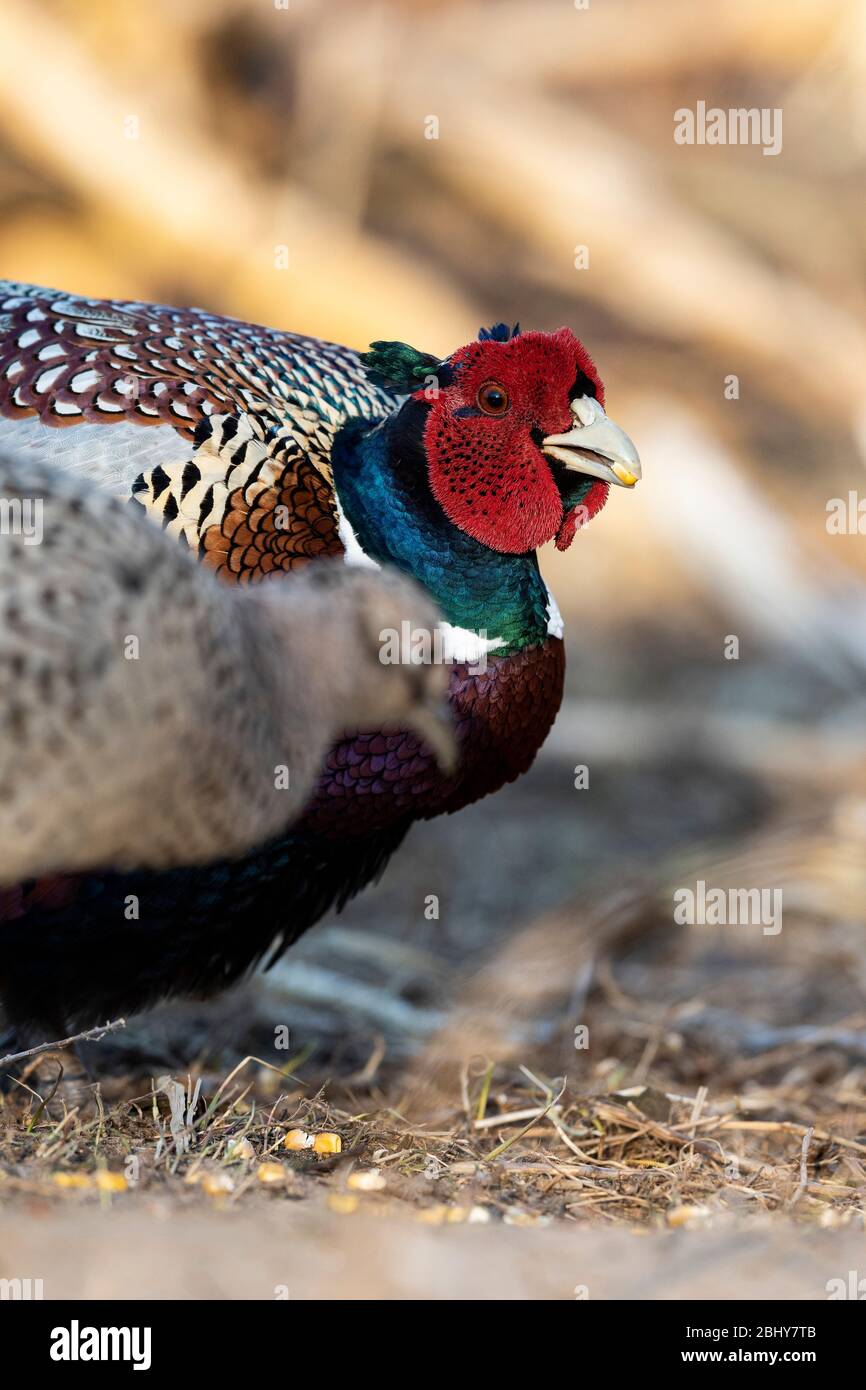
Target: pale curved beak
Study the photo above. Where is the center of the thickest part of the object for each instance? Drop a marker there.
(596, 446)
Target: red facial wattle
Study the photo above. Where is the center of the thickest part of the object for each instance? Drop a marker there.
(494, 484)
(487, 471)
(577, 516)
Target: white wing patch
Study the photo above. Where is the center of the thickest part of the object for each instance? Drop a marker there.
(112, 455)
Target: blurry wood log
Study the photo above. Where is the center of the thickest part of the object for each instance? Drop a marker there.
(314, 984)
(818, 239)
(741, 549)
(641, 42)
(816, 858)
(554, 178)
(174, 201)
(729, 1032)
(618, 733)
(338, 138)
(47, 246)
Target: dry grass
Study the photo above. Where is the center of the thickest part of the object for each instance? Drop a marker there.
(693, 1116)
(522, 1154)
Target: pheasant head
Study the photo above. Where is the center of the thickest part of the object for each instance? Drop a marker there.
(518, 448)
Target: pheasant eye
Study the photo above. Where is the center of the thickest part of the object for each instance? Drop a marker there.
(493, 399)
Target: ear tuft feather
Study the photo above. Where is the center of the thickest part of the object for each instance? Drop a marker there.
(499, 333)
(398, 366)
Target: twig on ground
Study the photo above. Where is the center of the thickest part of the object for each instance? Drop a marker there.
(91, 1035)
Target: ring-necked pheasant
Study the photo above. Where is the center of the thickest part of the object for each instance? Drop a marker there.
(151, 717)
(263, 450)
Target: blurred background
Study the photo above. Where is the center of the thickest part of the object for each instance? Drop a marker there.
(408, 170)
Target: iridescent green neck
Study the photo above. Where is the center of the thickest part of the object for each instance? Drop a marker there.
(382, 486)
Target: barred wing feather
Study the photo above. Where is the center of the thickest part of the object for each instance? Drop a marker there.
(221, 430)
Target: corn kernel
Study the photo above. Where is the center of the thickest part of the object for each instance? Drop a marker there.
(215, 1184)
(366, 1180)
(343, 1203)
(271, 1172)
(516, 1216)
(298, 1139)
(71, 1180)
(327, 1143)
(479, 1216)
(687, 1216)
(239, 1150)
(432, 1216)
(111, 1182)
